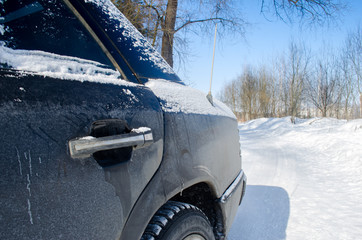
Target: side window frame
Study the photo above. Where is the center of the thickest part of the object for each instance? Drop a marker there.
(96, 38)
(125, 68)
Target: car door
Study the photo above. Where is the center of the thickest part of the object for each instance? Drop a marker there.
(58, 87)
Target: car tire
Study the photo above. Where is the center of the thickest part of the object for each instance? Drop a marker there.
(179, 221)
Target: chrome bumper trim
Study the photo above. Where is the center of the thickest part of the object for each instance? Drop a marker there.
(241, 178)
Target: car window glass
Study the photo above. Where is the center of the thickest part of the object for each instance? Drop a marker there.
(50, 28)
(145, 61)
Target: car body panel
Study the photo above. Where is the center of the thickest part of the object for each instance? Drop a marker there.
(49, 98)
(193, 153)
(44, 191)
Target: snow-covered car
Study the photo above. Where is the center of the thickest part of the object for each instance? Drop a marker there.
(100, 139)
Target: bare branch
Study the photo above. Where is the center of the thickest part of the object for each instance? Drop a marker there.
(313, 11)
(203, 20)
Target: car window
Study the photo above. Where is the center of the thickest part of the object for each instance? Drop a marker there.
(47, 30)
(141, 57)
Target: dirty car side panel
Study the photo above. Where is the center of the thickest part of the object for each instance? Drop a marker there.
(44, 193)
(199, 147)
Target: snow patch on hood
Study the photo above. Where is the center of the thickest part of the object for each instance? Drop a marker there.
(177, 98)
(58, 66)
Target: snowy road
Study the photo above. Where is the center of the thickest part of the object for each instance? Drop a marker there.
(304, 180)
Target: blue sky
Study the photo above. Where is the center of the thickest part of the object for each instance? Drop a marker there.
(264, 40)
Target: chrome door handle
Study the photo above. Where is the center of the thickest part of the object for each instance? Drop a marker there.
(84, 147)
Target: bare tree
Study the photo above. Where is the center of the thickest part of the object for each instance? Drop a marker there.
(354, 51)
(297, 73)
(199, 17)
(230, 96)
(279, 73)
(169, 31)
(160, 20)
(347, 84)
(146, 16)
(248, 93)
(324, 91)
(296, 86)
(264, 93)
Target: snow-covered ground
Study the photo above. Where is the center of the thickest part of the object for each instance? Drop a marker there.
(304, 180)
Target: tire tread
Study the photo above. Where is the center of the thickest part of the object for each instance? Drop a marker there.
(164, 215)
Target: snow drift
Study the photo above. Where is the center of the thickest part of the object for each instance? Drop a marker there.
(304, 180)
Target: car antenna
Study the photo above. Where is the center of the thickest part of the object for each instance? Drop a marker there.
(209, 95)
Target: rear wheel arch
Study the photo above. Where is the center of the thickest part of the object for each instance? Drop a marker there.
(179, 221)
(203, 197)
(201, 194)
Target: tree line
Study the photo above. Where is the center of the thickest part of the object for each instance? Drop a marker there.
(301, 84)
(295, 85)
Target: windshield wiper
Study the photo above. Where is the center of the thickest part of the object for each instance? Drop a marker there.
(22, 12)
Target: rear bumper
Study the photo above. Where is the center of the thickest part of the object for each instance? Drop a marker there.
(239, 181)
(230, 201)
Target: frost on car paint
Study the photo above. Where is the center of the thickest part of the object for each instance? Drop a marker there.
(2, 29)
(131, 95)
(178, 98)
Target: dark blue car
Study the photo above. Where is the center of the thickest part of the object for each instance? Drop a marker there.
(100, 139)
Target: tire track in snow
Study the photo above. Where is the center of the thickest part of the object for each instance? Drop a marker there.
(318, 164)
